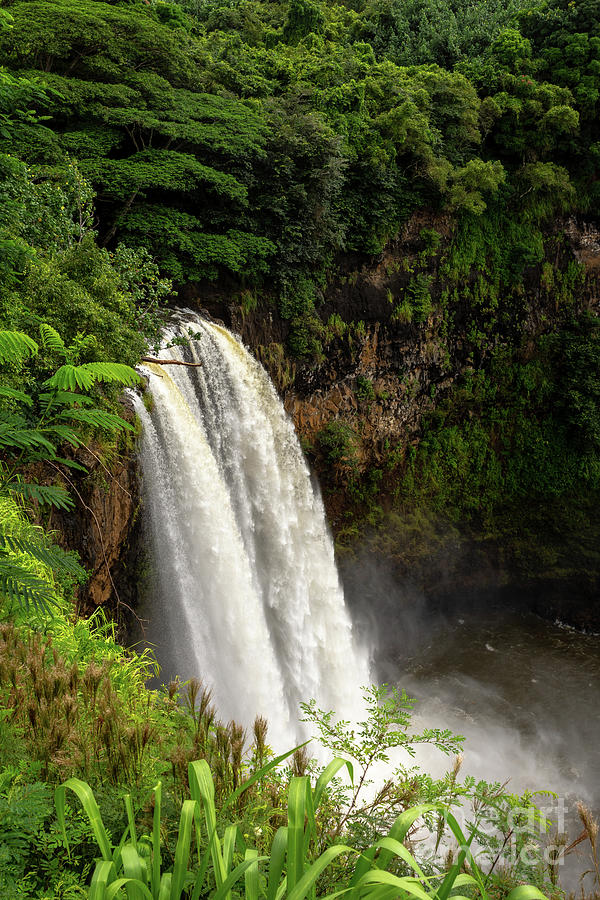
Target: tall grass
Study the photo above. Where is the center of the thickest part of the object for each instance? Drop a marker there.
(207, 863)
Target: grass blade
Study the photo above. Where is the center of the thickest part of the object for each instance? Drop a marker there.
(103, 873)
(234, 877)
(276, 862)
(165, 887)
(156, 858)
(134, 870)
(202, 789)
(182, 850)
(229, 839)
(131, 820)
(115, 886)
(309, 878)
(201, 875)
(327, 774)
(85, 794)
(251, 875)
(295, 837)
(407, 885)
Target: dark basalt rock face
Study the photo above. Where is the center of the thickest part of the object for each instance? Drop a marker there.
(104, 529)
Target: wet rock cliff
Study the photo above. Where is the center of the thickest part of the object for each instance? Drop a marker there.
(384, 354)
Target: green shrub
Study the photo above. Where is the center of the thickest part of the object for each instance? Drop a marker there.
(339, 444)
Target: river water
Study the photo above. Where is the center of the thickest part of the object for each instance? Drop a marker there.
(524, 692)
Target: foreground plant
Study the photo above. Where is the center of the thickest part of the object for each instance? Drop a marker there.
(208, 864)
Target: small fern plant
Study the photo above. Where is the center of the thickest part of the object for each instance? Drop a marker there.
(33, 428)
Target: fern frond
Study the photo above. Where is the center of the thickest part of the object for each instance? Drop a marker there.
(66, 398)
(70, 463)
(15, 346)
(23, 438)
(116, 372)
(51, 339)
(51, 556)
(14, 394)
(47, 495)
(71, 378)
(32, 457)
(64, 434)
(96, 417)
(21, 586)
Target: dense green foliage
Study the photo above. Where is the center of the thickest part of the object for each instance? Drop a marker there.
(259, 139)
(253, 143)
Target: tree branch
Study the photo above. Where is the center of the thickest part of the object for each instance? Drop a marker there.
(169, 362)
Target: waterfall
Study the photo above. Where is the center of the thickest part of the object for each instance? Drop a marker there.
(246, 593)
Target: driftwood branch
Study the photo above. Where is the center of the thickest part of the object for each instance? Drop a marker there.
(169, 362)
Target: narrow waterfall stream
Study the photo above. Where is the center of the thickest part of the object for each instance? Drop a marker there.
(245, 591)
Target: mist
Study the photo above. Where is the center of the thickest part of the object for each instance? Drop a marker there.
(522, 691)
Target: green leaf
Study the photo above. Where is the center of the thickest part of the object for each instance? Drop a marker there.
(182, 850)
(50, 495)
(229, 839)
(22, 587)
(256, 776)
(251, 874)
(276, 862)
(65, 398)
(156, 859)
(327, 774)
(51, 340)
(64, 434)
(526, 892)
(14, 394)
(134, 868)
(309, 878)
(103, 874)
(71, 378)
(98, 418)
(410, 886)
(225, 889)
(23, 438)
(202, 788)
(112, 372)
(16, 346)
(297, 791)
(52, 556)
(85, 794)
(116, 886)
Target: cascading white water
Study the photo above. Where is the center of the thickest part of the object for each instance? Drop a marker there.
(246, 592)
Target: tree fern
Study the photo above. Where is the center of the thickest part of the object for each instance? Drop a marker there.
(51, 340)
(52, 556)
(113, 372)
(15, 433)
(16, 346)
(33, 433)
(14, 394)
(25, 588)
(96, 417)
(64, 398)
(46, 495)
(71, 378)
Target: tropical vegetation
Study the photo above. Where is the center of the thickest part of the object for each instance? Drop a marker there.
(265, 151)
